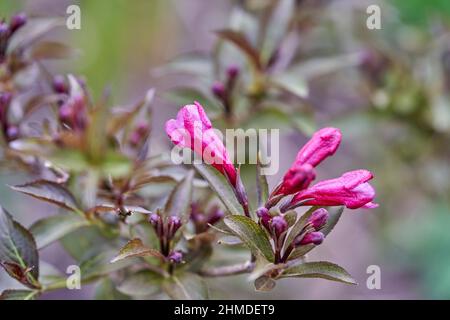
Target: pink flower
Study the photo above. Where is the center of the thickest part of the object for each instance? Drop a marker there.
(351, 190)
(192, 129)
(323, 144)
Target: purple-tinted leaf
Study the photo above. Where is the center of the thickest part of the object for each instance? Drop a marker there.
(49, 191)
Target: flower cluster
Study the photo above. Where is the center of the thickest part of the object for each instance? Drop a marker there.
(192, 129)
(165, 229)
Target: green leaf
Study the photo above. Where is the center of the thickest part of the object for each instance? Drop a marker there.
(264, 283)
(251, 234)
(18, 295)
(135, 248)
(141, 283)
(53, 228)
(106, 290)
(49, 191)
(18, 252)
(188, 286)
(219, 184)
(241, 41)
(179, 201)
(319, 269)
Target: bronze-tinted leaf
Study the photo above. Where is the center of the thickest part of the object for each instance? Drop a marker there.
(264, 283)
(49, 191)
(135, 248)
(241, 41)
(18, 252)
(18, 295)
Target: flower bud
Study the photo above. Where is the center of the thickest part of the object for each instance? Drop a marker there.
(318, 218)
(279, 225)
(218, 89)
(5, 31)
(263, 214)
(175, 257)
(12, 132)
(311, 237)
(215, 215)
(154, 219)
(233, 71)
(65, 114)
(59, 84)
(174, 223)
(17, 21)
(297, 178)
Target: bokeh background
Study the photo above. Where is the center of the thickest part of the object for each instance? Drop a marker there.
(398, 128)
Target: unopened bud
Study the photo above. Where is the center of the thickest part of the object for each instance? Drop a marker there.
(311, 237)
(5, 31)
(279, 225)
(215, 215)
(318, 218)
(174, 223)
(65, 114)
(60, 84)
(297, 178)
(233, 71)
(12, 132)
(175, 257)
(154, 219)
(218, 89)
(17, 21)
(264, 216)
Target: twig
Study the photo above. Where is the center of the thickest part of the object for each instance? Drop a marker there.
(228, 270)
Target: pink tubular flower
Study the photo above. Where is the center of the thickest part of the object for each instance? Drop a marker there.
(323, 144)
(351, 190)
(192, 129)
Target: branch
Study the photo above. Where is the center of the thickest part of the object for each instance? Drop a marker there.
(228, 270)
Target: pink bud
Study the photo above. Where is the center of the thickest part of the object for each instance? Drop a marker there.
(233, 71)
(17, 21)
(318, 218)
(279, 225)
(60, 85)
(311, 237)
(264, 216)
(215, 215)
(12, 132)
(192, 129)
(323, 144)
(218, 89)
(175, 257)
(297, 178)
(173, 224)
